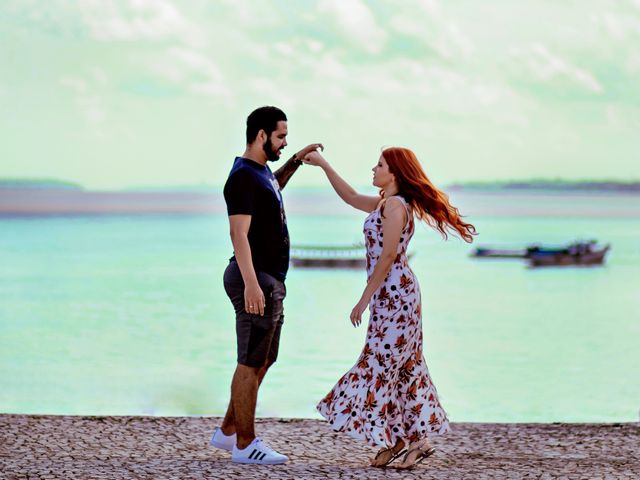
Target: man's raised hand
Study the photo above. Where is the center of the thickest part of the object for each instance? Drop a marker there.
(312, 147)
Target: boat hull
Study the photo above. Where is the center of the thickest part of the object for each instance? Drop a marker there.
(356, 263)
(593, 258)
(491, 253)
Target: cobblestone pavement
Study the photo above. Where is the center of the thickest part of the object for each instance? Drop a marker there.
(50, 447)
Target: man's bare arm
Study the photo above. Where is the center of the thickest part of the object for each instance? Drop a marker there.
(254, 300)
(284, 173)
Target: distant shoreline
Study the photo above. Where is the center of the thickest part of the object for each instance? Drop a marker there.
(542, 185)
(549, 186)
(528, 200)
(55, 201)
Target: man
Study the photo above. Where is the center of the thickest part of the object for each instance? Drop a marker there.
(254, 278)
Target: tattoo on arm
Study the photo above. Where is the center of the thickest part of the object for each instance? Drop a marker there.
(284, 173)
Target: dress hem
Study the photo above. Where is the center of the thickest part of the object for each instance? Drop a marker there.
(443, 430)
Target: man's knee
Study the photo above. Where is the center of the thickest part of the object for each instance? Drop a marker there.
(263, 370)
(269, 363)
(247, 371)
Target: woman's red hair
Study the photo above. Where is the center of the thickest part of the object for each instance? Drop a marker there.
(429, 204)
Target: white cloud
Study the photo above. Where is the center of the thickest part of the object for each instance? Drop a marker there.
(486, 94)
(284, 48)
(254, 15)
(431, 27)
(404, 85)
(136, 20)
(197, 62)
(633, 63)
(459, 39)
(315, 46)
(620, 26)
(439, 71)
(356, 22)
(432, 7)
(329, 66)
(78, 85)
(195, 68)
(87, 96)
(546, 67)
(271, 92)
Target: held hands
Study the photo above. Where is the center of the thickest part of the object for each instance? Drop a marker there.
(254, 299)
(312, 147)
(315, 158)
(358, 310)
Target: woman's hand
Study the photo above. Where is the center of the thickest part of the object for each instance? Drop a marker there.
(315, 158)
(358, 310)
(312, 147)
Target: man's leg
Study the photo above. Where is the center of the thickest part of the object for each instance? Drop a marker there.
(244, 392)
(258, 341)
(250, 341)
(248, 448)
(229, 424)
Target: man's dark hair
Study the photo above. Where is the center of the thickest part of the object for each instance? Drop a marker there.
(263, 118)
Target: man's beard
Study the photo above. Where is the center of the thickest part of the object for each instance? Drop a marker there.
(268, 150)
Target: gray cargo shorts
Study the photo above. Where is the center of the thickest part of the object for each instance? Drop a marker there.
(258, 337)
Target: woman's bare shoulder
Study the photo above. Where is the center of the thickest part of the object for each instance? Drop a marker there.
(394, 207)
(393, 203)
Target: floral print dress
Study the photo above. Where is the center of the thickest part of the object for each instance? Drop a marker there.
(388, 395)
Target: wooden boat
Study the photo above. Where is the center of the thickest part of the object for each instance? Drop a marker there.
(585, 255)
(485, 252)
(329, 256)
(531, 250)
(576, 253)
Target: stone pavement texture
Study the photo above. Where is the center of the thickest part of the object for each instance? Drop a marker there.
(52, 447)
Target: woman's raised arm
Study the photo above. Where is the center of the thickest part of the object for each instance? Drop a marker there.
(366, 203)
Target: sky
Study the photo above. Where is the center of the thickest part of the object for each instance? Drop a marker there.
(120, 93)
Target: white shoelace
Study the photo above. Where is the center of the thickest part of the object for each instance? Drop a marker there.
(264, 447)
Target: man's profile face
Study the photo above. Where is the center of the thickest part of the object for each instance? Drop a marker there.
(276, 142)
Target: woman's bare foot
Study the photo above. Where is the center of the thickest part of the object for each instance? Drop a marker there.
(417, 452)
(387, 455)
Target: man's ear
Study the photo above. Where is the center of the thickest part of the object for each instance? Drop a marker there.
(262, 136)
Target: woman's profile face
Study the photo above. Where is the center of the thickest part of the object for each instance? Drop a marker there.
(381, 175)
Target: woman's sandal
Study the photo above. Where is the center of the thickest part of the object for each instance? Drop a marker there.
(393, 456)
(422, 451)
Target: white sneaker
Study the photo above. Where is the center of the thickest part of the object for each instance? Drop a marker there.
(258, 452)
(220, 440)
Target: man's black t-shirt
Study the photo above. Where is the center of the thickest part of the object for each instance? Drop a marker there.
(252, 189)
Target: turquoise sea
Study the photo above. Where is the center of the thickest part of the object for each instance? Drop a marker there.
(126, 315)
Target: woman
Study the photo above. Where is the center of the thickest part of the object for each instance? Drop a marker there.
(388, 399)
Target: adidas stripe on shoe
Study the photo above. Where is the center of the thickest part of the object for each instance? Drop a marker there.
(258, 452)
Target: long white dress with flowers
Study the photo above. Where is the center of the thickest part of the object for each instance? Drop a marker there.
(388, 394)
